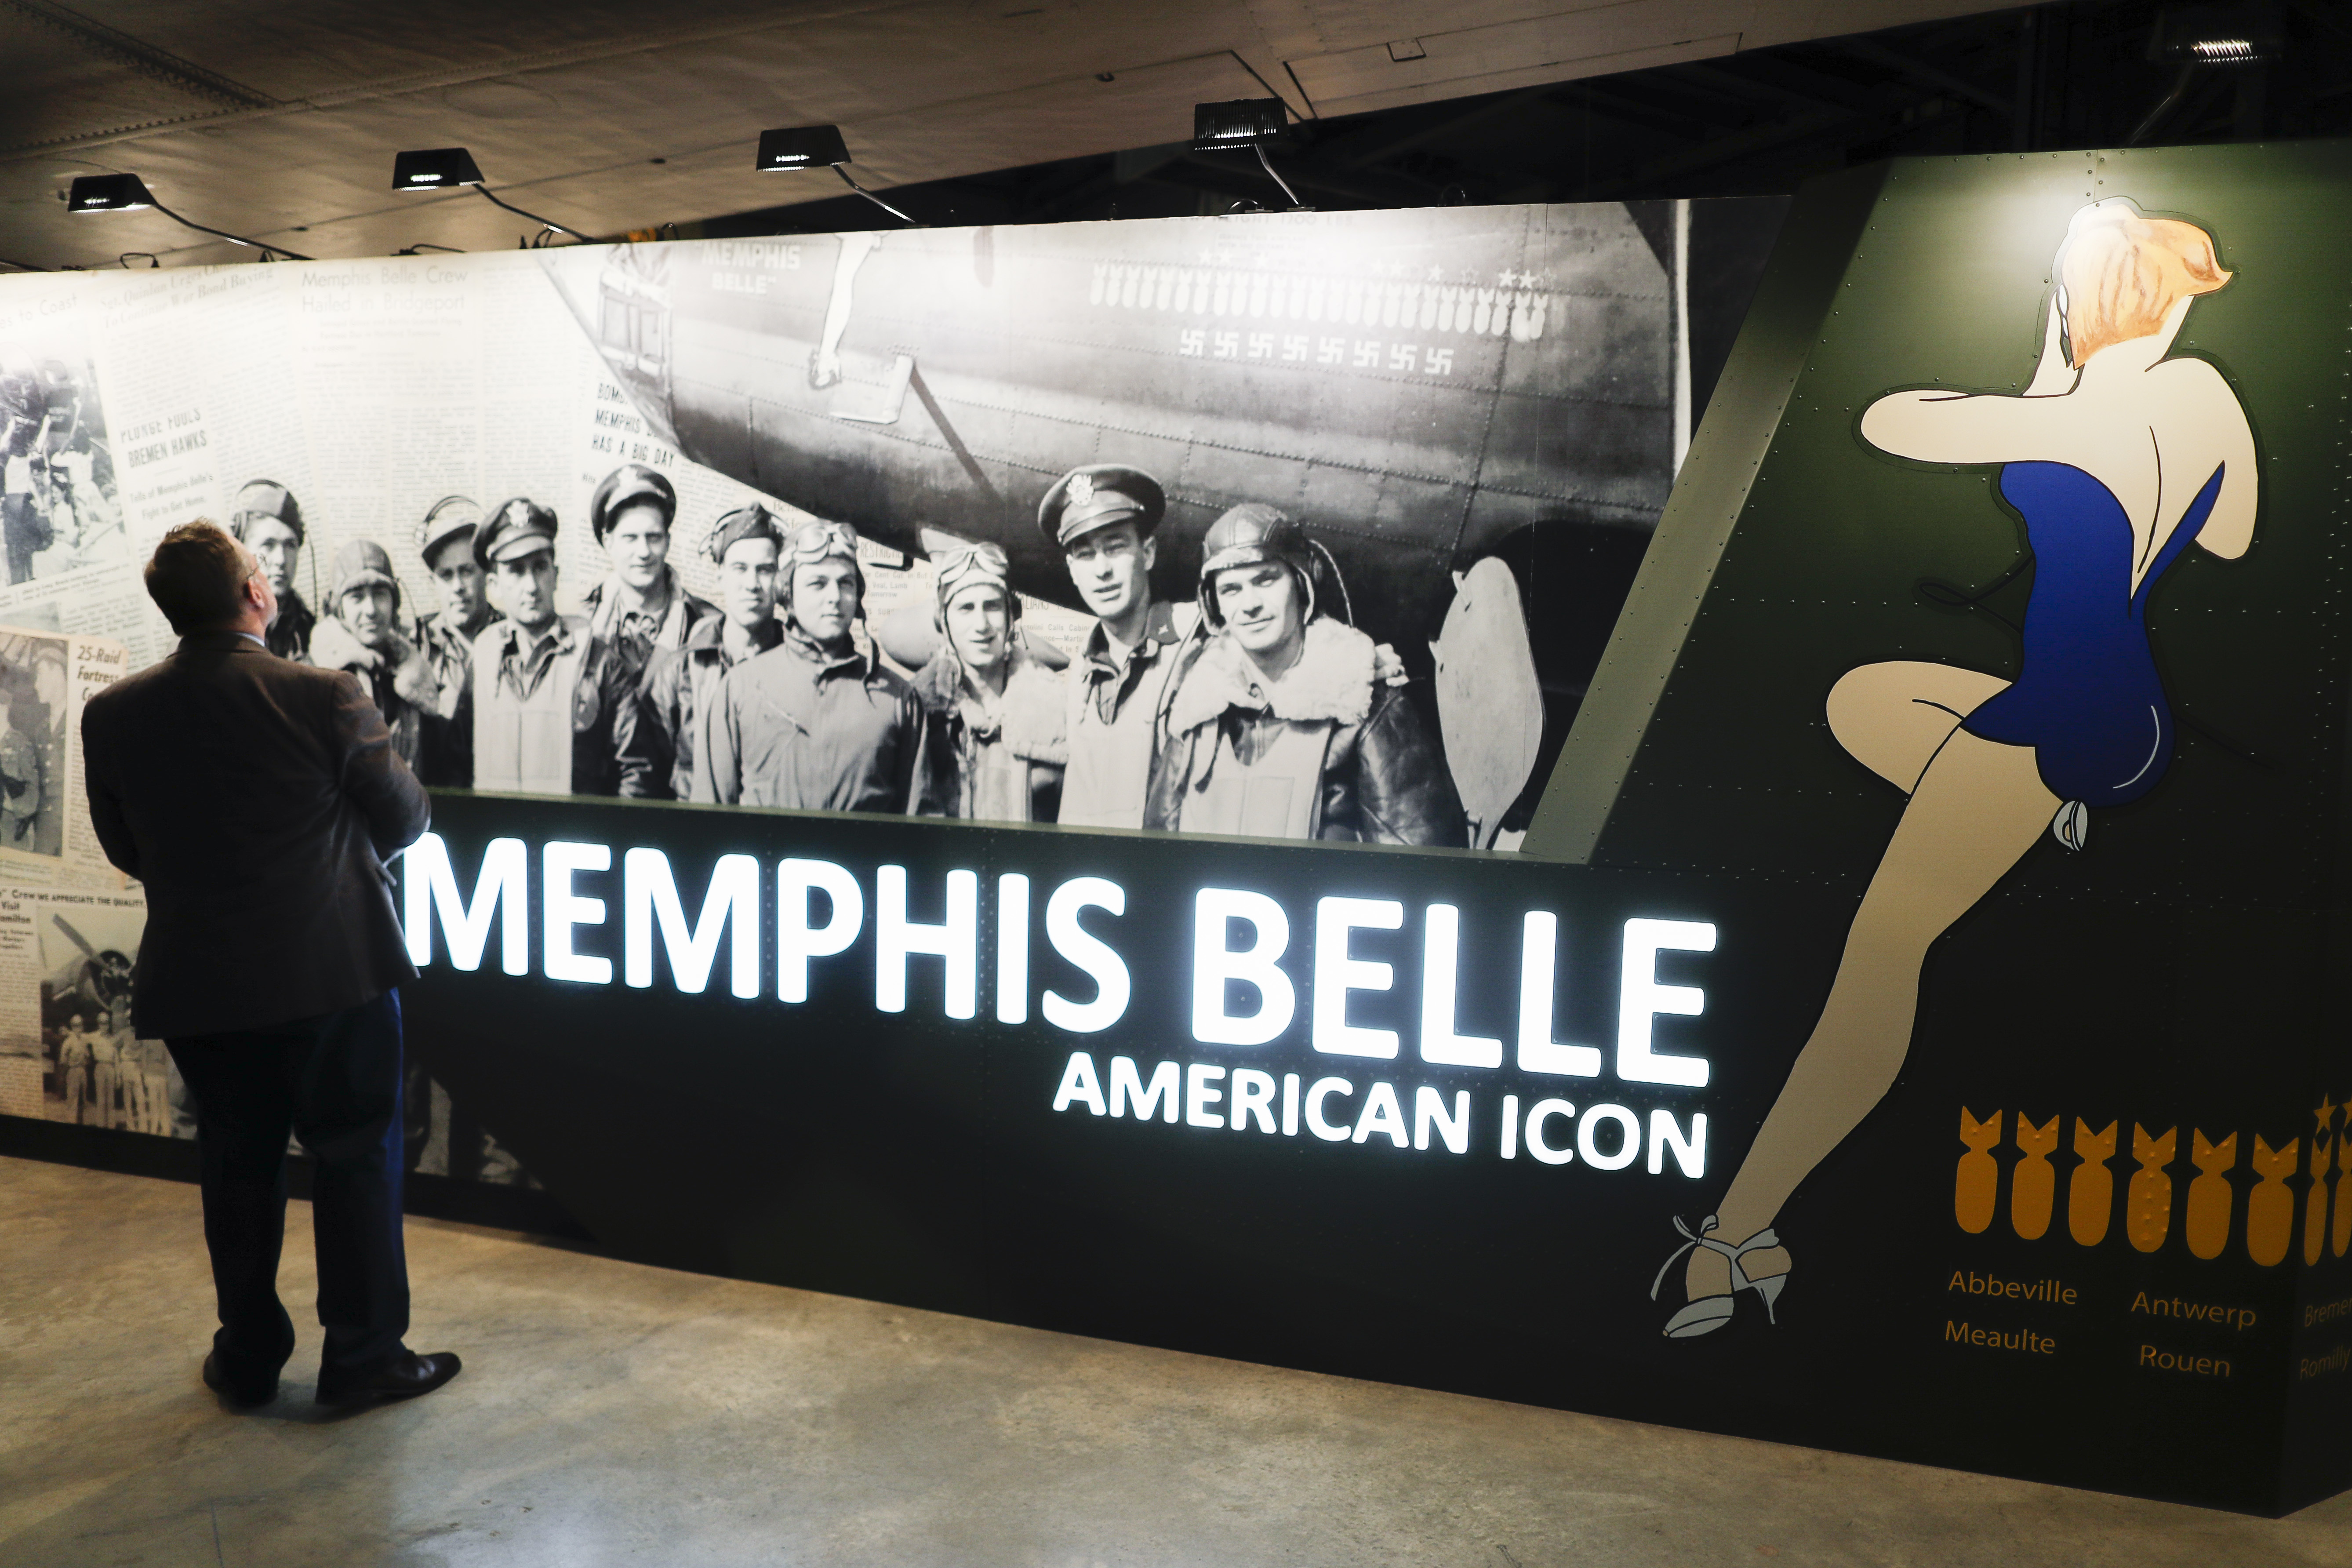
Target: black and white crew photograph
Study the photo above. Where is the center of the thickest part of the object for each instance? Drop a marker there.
(1386, 439)
(100, 1074)
(1313, 529)
(59, 502)
(948, 523)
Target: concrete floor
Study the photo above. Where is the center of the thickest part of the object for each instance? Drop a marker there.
(614, 1414)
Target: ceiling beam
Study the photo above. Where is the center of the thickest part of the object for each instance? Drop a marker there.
(143, 57)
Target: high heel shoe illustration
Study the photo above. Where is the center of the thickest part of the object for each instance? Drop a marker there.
(1709, 1314)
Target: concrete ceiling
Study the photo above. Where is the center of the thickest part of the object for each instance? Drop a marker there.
(279, 120)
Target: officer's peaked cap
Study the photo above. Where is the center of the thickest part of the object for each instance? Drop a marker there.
(1097, 496)
(631, 484)
(519, 527)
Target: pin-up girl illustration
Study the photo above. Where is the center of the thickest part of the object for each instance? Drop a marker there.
(2118, 459)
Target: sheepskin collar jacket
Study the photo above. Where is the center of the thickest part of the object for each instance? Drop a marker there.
(399, 669)
(399, 679)
(1324, 751)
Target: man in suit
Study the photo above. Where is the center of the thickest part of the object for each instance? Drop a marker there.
(258, 800)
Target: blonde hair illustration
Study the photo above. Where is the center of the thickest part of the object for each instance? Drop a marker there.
(2122, 274)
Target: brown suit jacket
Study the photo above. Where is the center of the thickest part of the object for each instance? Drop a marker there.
(258, 800)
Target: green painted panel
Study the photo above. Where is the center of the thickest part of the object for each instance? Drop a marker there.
(1842, 555)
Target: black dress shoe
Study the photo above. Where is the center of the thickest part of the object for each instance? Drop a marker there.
(245, 1394)
(409, 1376)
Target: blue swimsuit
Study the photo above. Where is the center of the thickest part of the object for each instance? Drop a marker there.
(2088, 698)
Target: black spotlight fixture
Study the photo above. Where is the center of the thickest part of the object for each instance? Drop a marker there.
(2199, 35)
(811, 147)
(449, 168)
(435, 169)
(802, 147)
(129, 194)
(2214, 34)
(108, 194)
(1249, 122)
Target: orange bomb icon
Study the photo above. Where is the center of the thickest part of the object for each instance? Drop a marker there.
(2323, 1157)
(2270, 1207)
(2340, 1233)
(2033, 1185)
(2210, 1196)
(1977, 1181)
(2091, 1191)
(2147, 1202)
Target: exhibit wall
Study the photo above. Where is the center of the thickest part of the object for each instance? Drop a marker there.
(1907, 1029)
(1467, 411)
(1917, 549)
(1907, 1025)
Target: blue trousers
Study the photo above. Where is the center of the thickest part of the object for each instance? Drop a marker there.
(333, 1081)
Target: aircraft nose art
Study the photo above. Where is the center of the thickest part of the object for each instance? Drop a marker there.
(1414, 386)
(620, 296)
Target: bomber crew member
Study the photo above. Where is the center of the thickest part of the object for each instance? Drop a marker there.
(814, 723)
(363, 636)
(655, 735)
(268, 520)
(642, 608)
(445, 540)
(61, 398)
(529, 667)
(76, 1067)
(1282, 727)
(22, 785)
(996, 713)
(1103, 517)
(25, 527)
(65, 455)
(72, 461)
(105, 1077)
